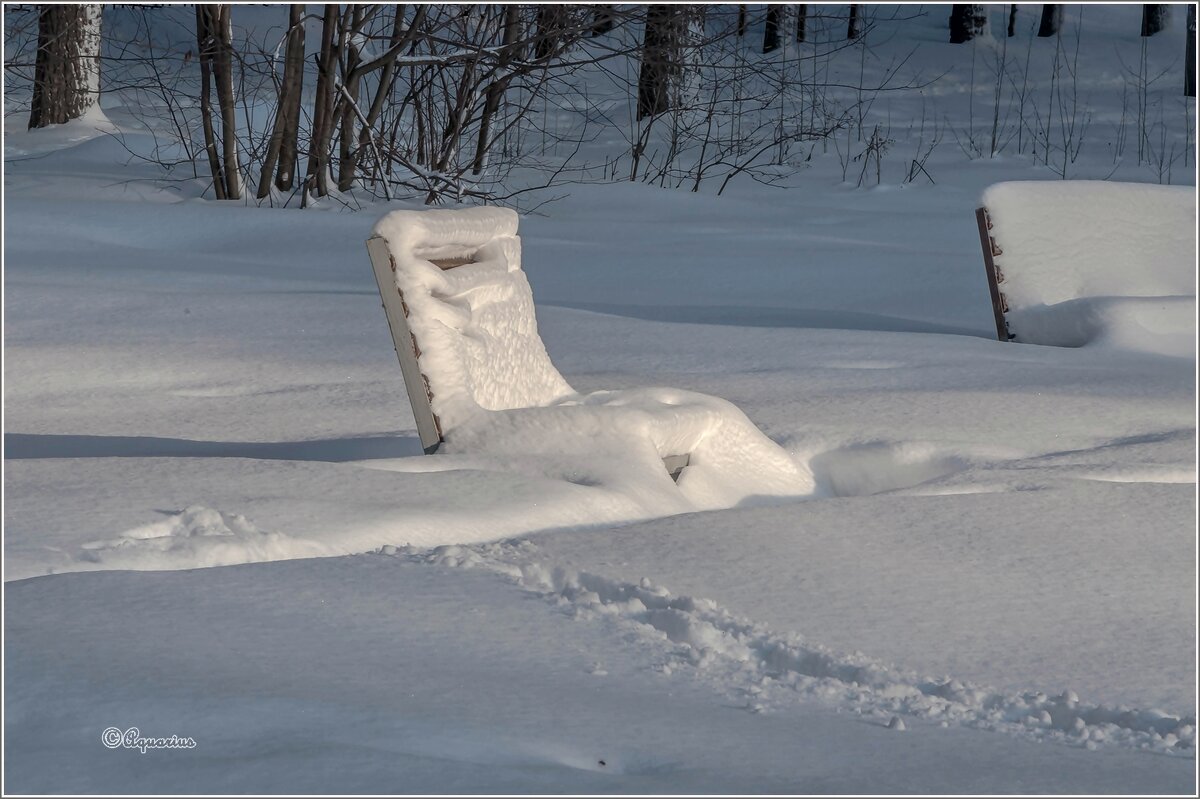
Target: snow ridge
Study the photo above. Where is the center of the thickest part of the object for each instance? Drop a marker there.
(766, 669)
(198, 537)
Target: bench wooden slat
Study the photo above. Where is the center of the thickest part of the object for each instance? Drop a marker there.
(428, 427)
(988, 243)
(450, 263)
(675, 464)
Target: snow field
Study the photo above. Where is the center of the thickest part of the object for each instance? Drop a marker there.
(419, 677)
(995, 537)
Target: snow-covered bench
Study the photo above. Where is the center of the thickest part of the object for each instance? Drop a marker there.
(1075, 262)
(479, 379)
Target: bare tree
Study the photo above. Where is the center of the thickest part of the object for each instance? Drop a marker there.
(284, 144)
(660, 60)
(852, 29)
(744, 114)
(455, 58)
(551, 23)
(446, 101)
(771, 37)
(350, 57)
(1189, 58)
(1012, 20)
(495, 92)
(1154, 18)
(67, 69)
(1052, 16)
(603, 20)
(801, 23)
(206, 116)
(317, 178)
(967, 22)
(222, 37)
(399, 40)
(214, 36)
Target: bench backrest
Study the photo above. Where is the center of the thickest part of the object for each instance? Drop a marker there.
(462, 316)
(1049, 242)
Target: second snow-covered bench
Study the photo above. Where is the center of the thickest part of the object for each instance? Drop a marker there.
(478, 376)
(1072, 262)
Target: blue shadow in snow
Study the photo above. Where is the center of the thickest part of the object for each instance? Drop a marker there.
(747, 316)
(24, 446)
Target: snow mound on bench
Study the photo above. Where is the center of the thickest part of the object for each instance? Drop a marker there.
(497, 394)
(613, 442)
(1096, 262)
(475, 323)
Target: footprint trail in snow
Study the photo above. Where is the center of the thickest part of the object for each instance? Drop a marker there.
(765, 670)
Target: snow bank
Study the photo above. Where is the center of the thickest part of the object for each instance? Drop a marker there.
(1087, 262)
(495, 390)
(1165, 325)
(94, 123)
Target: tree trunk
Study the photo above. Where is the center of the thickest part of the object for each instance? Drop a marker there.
(967, 22)
(317, 179)
(495, 92)
(741, 21)
(659, 59)
(801, 23)
(602, 20)
(1189, 59)
(521, 51)
(222, 32)
(1052, 15)
(852, 30)
(387, 74)
(1012, 20)
(285, 138)
(205, 41)
(688, 30)
(348, 151)
(771, 32)
(1154, 18)
(551, 21)
(66, 81)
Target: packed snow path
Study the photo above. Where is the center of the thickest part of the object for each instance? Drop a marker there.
(748, 661)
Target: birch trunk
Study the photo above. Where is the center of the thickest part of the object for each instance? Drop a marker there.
(66, 81)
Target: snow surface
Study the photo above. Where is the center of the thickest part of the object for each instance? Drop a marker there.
(349, 680)
(219, 523)
(1090, 261)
